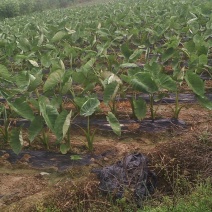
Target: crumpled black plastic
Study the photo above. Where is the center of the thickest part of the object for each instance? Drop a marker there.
(131, 173)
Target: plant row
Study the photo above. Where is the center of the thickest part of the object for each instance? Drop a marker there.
(119, 47)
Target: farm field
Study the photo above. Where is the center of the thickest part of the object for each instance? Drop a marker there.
(84, 87)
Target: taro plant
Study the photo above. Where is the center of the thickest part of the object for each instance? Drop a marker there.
(6, 124)
(86, 110)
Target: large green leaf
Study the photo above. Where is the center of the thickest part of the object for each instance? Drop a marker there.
(204, 101)
(34, 82)
(136, 54)
(21, 107)
(67, 123)
(89, 107)
(114, 123)
(4, 73)
(125, 50)
(53, 79)
(48, 112)
(168, 54)
(16, 140)
(166, 82)
(110, 92)
(22, 80)
(59, 36)
(35, 127)
(140, 108)
(62, 124)
(195, 83)
(143, 82)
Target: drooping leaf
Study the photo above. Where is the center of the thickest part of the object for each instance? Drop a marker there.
(126, 51)
(16, 140)
(35, 127)
(67, 123)
(140, 108)
(48, 112)
(21, 107)
(168, 54)
(166, 82)
(89, 107)
(34, 63)
(114, 123)
(34, 83)
(129, 65)
(22, 80)
(4, 73)
(136, 54)
(110, 92)
(64, 148)
(58, 126)
(205, 102)
(59, 36)
(203, 59)
(53, 79)
(143, 82)
(75, 157)
(195, 83)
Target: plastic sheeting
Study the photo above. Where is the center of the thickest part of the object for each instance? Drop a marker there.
(129, 174)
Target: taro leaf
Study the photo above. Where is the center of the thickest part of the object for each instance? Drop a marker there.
(87, 67)
(21, 107)
(136, 54)
(34, 82)
(110, 91)
(46, 60)
(126, 51)
(125, 78)
(195, 83)
(34, 63)
(110, 77)
(75, 157)
(66, 82)
(64, 148)
(79, 101)
(167, 82)
(62, 124)
(114, 123)
(35, 127)
(48, 112)
(144, 83)
(67, 123)
(203, 59)
(58, 125)
(24, 44)
(4, 73)
(22, 79)
(139, 108)
(204, 101)
(167, 54)
(56, 101)
(59, 36)
(53, 79)
(16, 141)
(129, 65)
(89, 107)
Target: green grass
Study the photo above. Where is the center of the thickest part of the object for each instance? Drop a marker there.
(200, 200)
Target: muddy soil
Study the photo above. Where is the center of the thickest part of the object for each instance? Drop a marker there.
(38, 178)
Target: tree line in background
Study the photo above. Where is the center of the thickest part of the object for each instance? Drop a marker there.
(12, 8)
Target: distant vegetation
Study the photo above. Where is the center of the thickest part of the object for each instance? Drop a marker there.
(12, 8)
